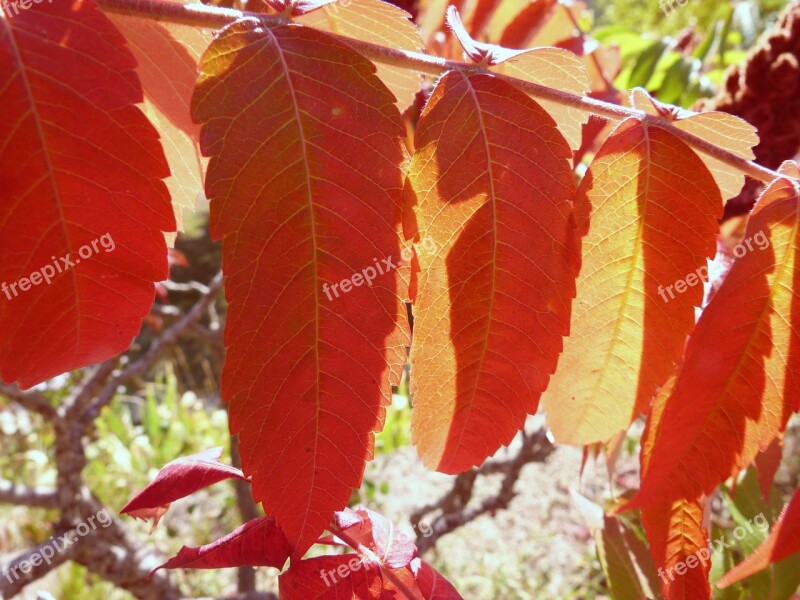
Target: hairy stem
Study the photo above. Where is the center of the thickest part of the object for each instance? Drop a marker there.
(213, 17)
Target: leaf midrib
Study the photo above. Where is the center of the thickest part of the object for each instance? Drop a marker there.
(492, 193)
(303, 146)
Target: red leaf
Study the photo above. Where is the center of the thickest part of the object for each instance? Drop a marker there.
(432, 584)
(379, 534)
(178, 479)
(782, 542)
(740, 380)
(257, 543)
(493, 301)
(332, 577)
(305, 187)
(78, 160)
(767, 464)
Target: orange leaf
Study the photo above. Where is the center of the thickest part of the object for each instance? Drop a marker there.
(79, 164)
(305, 188)
(727, 131)
(559, 69)
(168, 55)
(494, 301)
(783, 541)
(740, 380)
(518, 33)
(679, 546)
(677, 537)
(510, 13)
(648, 208)
(380, 23)
(550, 67)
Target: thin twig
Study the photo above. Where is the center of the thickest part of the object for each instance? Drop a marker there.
(453, 506)
(149, 358)
(21, 571)
(31, 400)
(215, 17)
(11, 493)
(84, 395)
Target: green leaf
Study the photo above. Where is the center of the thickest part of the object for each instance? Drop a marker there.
(645, 64)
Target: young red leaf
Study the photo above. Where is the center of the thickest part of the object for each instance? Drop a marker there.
(79, 163)
(782, 542)
(305, 185)
(493, 301)
(740, 380)
(178, 479)
(257, 543)
(379, 534)
(647, 225)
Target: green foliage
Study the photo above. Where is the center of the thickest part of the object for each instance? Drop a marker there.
(661, 60)
(649, 16)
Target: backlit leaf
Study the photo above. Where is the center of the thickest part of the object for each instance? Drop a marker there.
(305, 185)
(550, 67)
(167, 57)
(332, 577)
(740, 380)
(727, 131)
(676, 534)
(647, 207)
(494, 300)
(79, 163)
(380, 23)
(518, 33)
(559, 69)
(432, 585)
